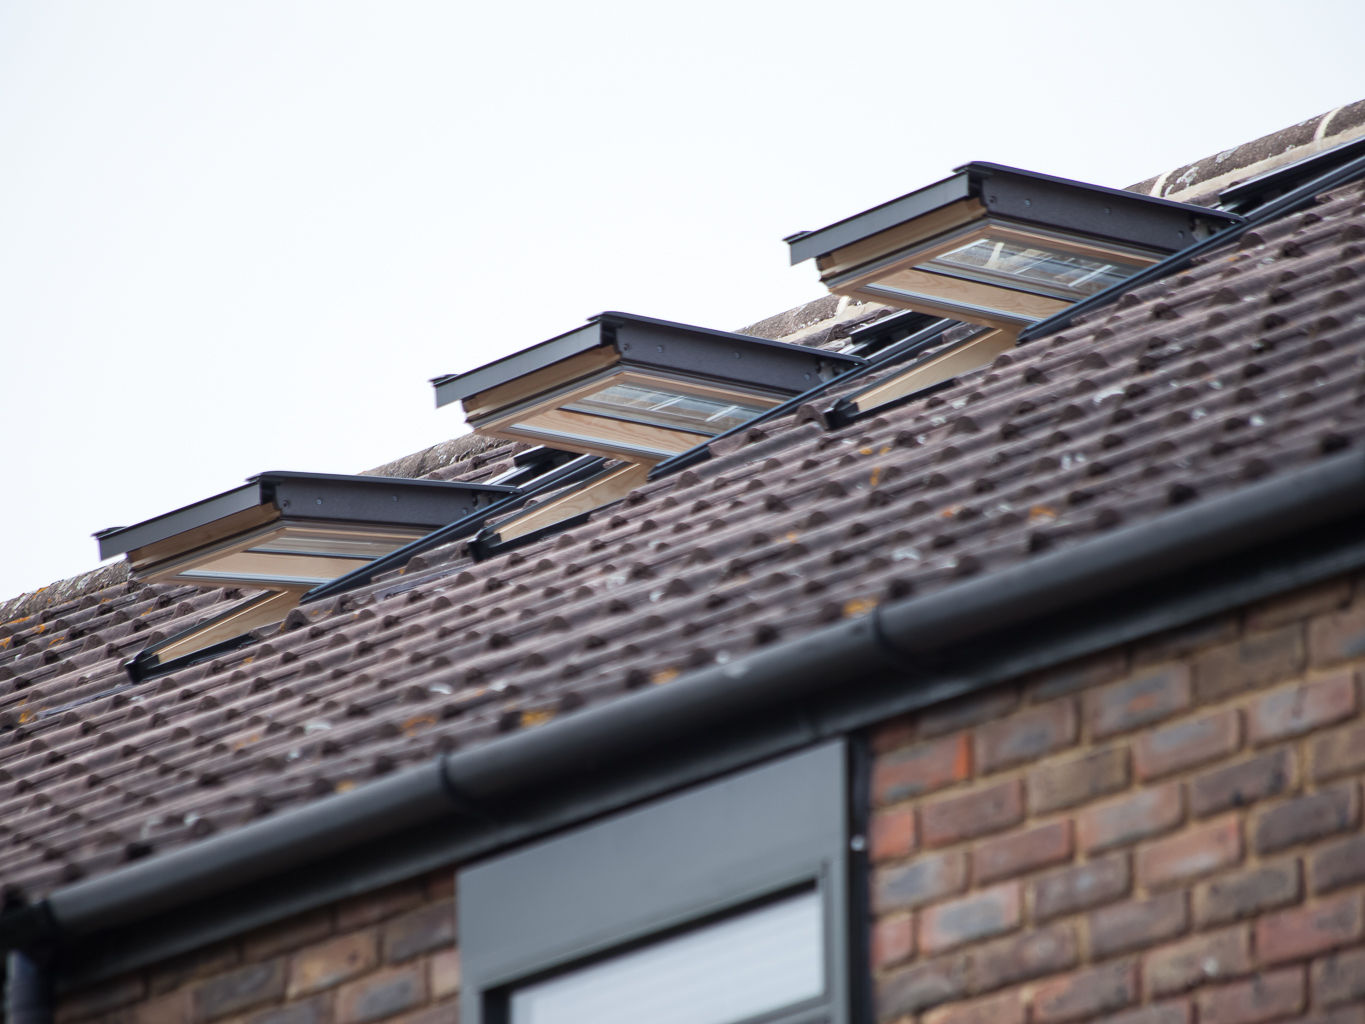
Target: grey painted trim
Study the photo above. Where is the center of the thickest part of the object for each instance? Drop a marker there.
(720, 846)
(1300, 527)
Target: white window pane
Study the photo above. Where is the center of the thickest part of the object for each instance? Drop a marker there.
(758, 961)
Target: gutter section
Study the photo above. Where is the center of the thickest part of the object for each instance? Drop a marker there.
(902, 656)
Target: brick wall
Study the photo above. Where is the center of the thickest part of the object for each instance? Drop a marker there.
(1161, 835)
(386, 956)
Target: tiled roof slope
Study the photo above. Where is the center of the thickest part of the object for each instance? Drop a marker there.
(1249, 364)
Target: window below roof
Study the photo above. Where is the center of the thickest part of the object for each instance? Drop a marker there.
(726, 903)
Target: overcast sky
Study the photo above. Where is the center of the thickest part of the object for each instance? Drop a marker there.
(242, 236)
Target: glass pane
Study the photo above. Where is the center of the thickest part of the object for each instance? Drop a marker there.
(314, 542)
(667, 409)
(1054, 269)
(756, 962)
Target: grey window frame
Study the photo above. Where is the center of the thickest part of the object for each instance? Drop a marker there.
(679, 862)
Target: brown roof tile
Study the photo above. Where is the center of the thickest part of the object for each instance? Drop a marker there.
(1248, 364)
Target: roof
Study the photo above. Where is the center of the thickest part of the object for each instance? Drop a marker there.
(1246, 366)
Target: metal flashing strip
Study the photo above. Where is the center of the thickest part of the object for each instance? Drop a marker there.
(1269, 537)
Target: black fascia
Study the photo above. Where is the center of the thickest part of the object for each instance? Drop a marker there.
(646, 342)
(1253, 192)
(316, 496)
(1041, 199)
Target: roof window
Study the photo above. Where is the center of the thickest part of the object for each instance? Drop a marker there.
(283, 531)
(1000, 247)
(634, 388)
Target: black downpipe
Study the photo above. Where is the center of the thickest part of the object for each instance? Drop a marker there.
(28, 990)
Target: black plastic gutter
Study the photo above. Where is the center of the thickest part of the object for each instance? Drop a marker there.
(1299, 527)
(1289, 202)
(28, 991)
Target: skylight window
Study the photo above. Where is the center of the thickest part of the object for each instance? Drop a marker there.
(633, 388)
(291, 531)
(1000, 247)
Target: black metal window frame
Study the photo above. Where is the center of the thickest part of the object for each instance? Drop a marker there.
(662, 869)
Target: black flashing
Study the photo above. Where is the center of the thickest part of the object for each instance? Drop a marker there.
(661, 345)
(1035, 198)
(1249, 194)
(316, 496)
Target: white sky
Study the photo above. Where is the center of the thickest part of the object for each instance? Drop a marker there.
(242, 236)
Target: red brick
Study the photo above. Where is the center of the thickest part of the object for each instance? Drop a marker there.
(1150, 697)
(899, 732)
(971, 918)
(893, 940)
(1252, 892)
(101, 997)
(1089, 993)
(1148, 812)
(1264, 997)
(1006, 1008)
(1304, 818)
(1026, 736)
(891, 834)
(978, 813)
(440, 886)
(1339, 978)
(1082, 674)
(444, 1013)
(239, 990)
(965, 712)
(1187, 855)
(1030, 954)
(445, 973)
(419, 931)
(1055, 784)
(921, 985)
(1092, 884)
(1341, 1015)
(376, 906)
(1301, 604)
(1307, 931)
(1253, 661)
(330, 963)
(1208, 958)
(1338, 636)
(172, 1008)
(1128, 926)
(929, 877)
(1186, 744)
(1020, 852)
(921, 769)
(1178, 1012)
(200, 963)
(317, 1010)
(1299, 709)
(1177, 643)
(1339, 753)
(382, 994)
(1236, 785)
(1342, 863)
(286, 936)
